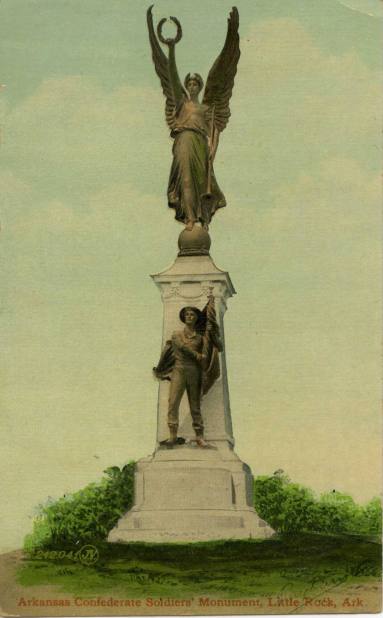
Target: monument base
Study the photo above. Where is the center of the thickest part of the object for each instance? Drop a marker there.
(190, 494)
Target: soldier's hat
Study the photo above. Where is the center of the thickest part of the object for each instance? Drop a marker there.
(197, 311)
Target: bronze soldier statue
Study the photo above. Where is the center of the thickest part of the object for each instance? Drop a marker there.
(190, 361)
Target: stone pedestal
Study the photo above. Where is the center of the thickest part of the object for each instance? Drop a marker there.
(191, 494)
(188, 493)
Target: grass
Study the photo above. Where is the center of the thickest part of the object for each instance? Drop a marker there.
(304, 564)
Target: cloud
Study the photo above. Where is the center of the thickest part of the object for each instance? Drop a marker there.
(278, 51)
(102, 212)
(294, 105)
(107, 240)
(316, 256)
(339, 193)
(322, 232)
(73, 136)
(94, 160)
(316, 298)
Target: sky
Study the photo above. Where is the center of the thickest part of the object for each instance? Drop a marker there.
(84, 161)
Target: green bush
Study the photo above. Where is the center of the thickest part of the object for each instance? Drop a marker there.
(89, 514)
(371, 520)
(85, 516)
(291, 508)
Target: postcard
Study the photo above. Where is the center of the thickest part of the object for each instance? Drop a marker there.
(190, 307)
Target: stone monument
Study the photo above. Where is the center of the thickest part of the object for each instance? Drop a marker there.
(194, 487)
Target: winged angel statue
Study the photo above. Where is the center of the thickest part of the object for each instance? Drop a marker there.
(195, 127)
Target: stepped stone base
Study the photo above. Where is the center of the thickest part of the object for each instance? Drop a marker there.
(191, 494)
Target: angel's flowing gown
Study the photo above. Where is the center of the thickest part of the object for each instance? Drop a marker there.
(189, 172)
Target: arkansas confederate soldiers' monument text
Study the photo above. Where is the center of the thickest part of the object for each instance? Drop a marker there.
(194, 487)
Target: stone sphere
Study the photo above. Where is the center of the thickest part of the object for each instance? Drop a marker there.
(194, 242)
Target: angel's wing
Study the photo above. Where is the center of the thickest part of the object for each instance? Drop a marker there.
(161, 64)
(220, 80)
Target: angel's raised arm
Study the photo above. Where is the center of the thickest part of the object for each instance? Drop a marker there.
(166, 69)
